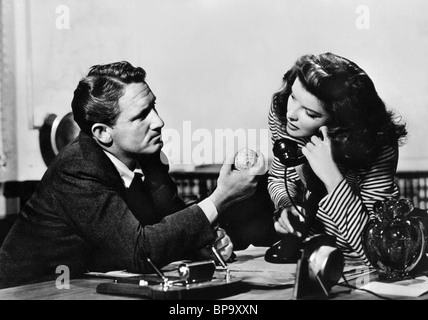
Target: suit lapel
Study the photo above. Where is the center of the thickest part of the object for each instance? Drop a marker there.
(157, 180)
(95, 154)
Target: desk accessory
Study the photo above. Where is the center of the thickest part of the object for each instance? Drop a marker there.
(395, 241)
(195, 280)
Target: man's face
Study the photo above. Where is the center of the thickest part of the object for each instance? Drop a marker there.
(138, 127)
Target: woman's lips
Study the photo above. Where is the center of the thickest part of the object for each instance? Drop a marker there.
(292, 126)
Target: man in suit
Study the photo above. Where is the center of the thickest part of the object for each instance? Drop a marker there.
(86, 213)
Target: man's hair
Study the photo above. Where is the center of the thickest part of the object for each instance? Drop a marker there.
(359, 122)
(97, 94)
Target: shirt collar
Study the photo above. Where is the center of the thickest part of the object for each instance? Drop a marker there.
(124, 172)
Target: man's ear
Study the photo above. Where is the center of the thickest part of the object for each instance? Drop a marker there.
(102, 133)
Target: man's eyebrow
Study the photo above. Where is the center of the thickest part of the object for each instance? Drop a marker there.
(143, 113)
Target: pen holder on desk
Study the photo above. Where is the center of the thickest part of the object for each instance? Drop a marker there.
(396, 240)
(196, 271)
(190, 281)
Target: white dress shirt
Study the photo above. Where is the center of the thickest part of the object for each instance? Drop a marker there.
(127, 175)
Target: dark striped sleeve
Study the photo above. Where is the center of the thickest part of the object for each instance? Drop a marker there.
(276, 186)
(345, 212)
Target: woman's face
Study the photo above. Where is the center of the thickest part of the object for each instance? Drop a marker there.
(305, 113)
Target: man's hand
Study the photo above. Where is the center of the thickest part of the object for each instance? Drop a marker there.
(233, 185)
(223, 244)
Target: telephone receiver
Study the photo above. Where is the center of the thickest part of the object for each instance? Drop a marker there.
(288, 152)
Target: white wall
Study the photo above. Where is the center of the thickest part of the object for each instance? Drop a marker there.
(216, 63)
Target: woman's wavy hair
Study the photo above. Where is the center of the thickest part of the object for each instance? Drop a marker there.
(360, 124)
(96, 98)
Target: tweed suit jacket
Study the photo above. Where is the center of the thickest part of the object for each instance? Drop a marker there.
(78, 217)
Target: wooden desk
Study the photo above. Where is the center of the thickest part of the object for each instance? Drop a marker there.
(250, 266)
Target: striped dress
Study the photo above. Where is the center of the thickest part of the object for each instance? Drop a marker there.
(344, 212)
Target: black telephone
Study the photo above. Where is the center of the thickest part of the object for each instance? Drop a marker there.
(288, 152)
(310, 279)
(287, 250)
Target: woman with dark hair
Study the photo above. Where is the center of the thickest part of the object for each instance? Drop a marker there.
(329, 106)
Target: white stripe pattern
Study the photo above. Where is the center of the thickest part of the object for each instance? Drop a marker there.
(344, 212)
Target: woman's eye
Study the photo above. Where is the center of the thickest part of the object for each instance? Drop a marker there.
(312, 115)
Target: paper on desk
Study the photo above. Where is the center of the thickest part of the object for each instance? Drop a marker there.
(356, 269)
(405, 288)
(251, 266)
(112, 274)
(266, 280)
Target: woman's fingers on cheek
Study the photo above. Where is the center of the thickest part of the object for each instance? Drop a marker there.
(325, 136)
(309, 146)
(305, 151)
(315, 140)
(323, 130)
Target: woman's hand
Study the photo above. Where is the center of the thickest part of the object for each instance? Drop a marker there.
(288, 217)
(320, 157)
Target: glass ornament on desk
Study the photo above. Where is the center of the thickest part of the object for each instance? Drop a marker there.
(394, 241)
